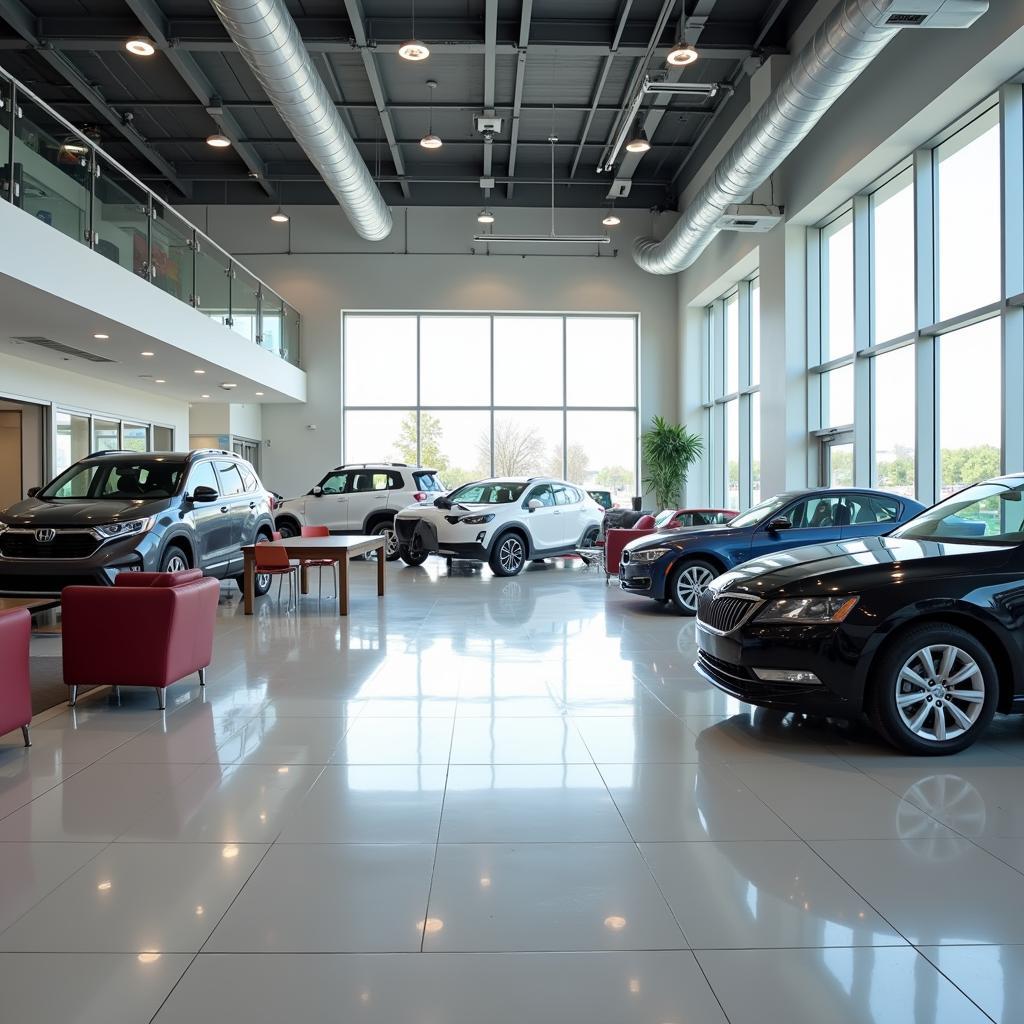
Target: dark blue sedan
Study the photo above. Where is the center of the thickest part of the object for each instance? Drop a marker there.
(678, 566)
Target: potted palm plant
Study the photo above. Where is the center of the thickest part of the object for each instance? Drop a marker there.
(669, 450)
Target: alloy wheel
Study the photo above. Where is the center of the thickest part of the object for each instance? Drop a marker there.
(691, 583)
(940, 693)
(263, 581)
(176, 563)
(390, 542)
(511, 554)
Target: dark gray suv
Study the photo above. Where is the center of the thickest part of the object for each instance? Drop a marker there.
(129, 511)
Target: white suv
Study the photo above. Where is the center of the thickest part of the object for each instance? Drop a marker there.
(359, 498)
(502, 522)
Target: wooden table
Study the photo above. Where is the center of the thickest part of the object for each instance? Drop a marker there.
(338, 549)
(33, 604)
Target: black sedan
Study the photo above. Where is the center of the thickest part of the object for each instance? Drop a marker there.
(922, 629)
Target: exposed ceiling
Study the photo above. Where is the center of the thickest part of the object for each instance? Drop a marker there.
(550, 67)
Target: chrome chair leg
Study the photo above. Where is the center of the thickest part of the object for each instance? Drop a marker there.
(25, 733)
(161, 697)
(73, 696)
(202, 677)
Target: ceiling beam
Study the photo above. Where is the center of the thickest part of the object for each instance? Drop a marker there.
(357, 18)
(154, 21)
(602, 77)
(525, 17)
(21, 20)
(490, 61)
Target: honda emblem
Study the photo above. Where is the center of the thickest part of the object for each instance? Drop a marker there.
(45, 536)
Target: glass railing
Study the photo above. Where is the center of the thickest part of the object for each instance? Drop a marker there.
(61, 176)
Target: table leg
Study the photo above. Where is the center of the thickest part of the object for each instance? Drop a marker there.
(381, 562)
(303, 579)
(343, 585)
(250, 580)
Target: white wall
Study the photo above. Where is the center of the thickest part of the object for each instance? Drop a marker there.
(923, 81)
(427, 264)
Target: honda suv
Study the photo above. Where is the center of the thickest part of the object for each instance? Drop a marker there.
(360, 498)
(124, 511)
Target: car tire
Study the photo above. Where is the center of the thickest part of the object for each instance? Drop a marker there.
(412, 557)
(288, 528)
(687, 581)
(934, 690)
(590, 537)
(508, 554)
(175, 559)
(391, 547)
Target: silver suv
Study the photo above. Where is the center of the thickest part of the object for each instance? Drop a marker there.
(360, 497)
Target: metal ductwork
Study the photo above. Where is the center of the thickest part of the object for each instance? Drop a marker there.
(268, 38)
(850, 38)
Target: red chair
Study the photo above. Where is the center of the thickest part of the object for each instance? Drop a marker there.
(149, 629)
(271, 561)
(15, 689)
(617, 538)
(318, 563)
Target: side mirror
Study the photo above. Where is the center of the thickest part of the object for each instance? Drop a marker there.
(779, 524)
(317, 491)
(534, 504)
(204, 494)
(33, 491)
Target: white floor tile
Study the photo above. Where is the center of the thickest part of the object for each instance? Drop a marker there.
(992, 976)
(31, 871)
(518, 741)
(639, 740)
(396, 741)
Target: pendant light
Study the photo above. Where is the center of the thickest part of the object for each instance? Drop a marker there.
(141, 46)
(430, 140)
(218, 141)
(610, 219)
(414, 49)
(682, 53)
(639, 142)
(485, 217)
(280, 217)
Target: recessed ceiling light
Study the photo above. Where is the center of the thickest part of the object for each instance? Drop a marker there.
(218, 141)
(159, 380)
(199, 371)
(681, 55)
(204, 396)
(280, 217)
(414, 50)
(101, 337)
(485, 217)
(611, 221)
(259, 394)
(227, 387)
(639, 143)
(145, 353)
(141, 46)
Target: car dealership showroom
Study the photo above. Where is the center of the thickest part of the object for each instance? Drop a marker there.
(512, 511)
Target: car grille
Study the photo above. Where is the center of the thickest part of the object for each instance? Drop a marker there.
(64, 545)
(724, 613)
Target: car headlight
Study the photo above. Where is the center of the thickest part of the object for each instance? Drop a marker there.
(826, 608)
(478, 520)
(648, 554)
(129, 528)
(4, 527)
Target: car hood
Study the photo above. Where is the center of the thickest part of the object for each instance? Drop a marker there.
(84, 513)
(867, 561)
(420, 508)
(679, 535)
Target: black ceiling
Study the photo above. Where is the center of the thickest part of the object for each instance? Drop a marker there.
(560, 57)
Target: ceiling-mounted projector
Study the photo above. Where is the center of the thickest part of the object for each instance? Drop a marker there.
(751, 217)
(926, 13)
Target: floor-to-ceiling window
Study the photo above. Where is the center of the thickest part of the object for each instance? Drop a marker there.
(732, 398)
(478, 394)
(76, 434)
(916, 347)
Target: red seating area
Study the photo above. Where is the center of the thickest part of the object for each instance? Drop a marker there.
(15, 694)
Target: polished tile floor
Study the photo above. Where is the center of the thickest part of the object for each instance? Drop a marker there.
(485, 801)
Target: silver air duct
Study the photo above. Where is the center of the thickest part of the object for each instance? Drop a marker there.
(850, 38)
(269, 40)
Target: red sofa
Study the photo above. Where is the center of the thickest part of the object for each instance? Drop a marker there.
(15, 691)
(149, 629)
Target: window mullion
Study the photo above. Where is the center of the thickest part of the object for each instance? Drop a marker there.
(1011, 101)
(861, 340)
(926, 381)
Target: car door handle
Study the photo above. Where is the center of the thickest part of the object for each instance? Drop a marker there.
(223, 508)
(252, 504)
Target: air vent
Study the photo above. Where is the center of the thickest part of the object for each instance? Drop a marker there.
(905, 19)
(64, 350)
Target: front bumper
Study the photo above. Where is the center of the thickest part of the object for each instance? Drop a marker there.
(728, 662)
(422, 535)
(645, 578)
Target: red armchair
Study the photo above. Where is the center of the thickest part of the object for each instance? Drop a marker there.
(617, 538)
(15, 691)
(149, 629)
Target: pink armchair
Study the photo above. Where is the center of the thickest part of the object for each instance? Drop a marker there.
(149, 629)
(15, 690)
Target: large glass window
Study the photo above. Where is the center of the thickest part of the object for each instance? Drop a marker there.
(512, 395)
(892, 276)
(76, 435)
(894, 427)
(837, 397)
(837, 288)
(967, 187)
(732, 344)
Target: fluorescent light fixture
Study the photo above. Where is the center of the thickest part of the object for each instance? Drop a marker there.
(259, 394)
(141, 46)
(639, 143)
(101, 337)
(611, 221)
(431, 141)
(145, 353)
(199, 371)
(218, 141)
(555, 239)
(414, 50)
(681, 55)
(485, 217)
(280, 217)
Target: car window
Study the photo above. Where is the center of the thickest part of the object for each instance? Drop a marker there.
(230, 479)
(334, 483)
(363, 482)
(248, 478)
(395, 481)
(887, 510)
(541, 493)
(202, 475)
(820, 512)
(148, 479)
(603, 498)
(762, 513)
(427, 482)
(565, 495)
(990, 513)
(498, 493)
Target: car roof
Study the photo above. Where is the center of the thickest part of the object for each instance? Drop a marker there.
(789, 495)
(120, 456)
(383, 465)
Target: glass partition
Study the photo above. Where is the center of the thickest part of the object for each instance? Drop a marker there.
(289, 331)
(121, 220)
(171, 253)
(245, 308)
(6, 108)
(51, 171)
(212, 278)
(272, 322)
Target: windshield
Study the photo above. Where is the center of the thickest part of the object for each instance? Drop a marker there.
(499, 492)
(759, 513)
(121, 480)
(990, 513)
(664, 517)
(603, 498)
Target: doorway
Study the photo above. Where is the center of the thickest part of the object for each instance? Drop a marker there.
(836, 468)
(21, 449)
